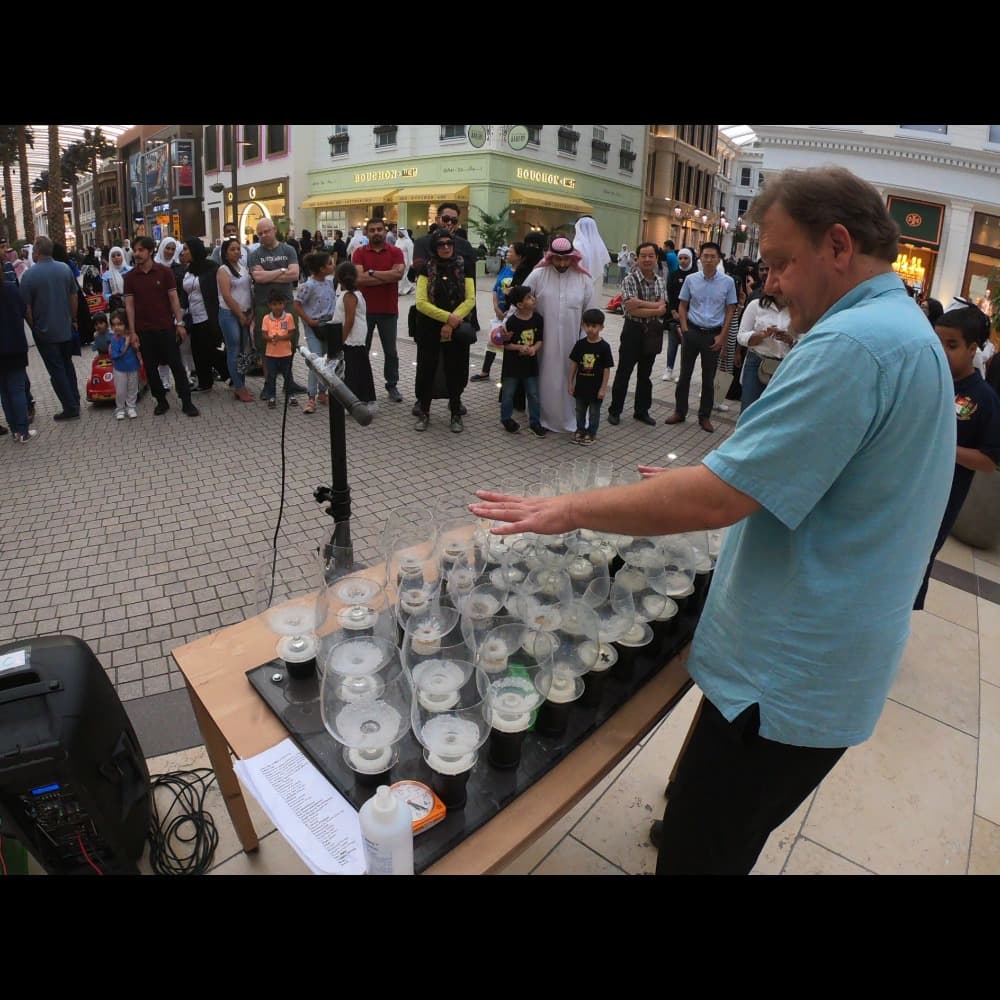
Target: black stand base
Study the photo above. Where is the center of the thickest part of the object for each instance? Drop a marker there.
(552, 718)
(451, 788)
(504, 749)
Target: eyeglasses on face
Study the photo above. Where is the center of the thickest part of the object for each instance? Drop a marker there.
(445, 243)
(449, 218)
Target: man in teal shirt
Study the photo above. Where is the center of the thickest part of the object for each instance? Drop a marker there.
(836, 486)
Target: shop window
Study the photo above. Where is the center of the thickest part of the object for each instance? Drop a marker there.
(227, 147)
(339, 141)
(743, 206)
(452, 131)
(385, 135)
(277, 140)
(251, 143)
(934, 129)
(568, 139)
(534, 134)
(995, 134)
(211, 147)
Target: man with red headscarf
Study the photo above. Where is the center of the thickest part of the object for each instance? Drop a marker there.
(563, 289)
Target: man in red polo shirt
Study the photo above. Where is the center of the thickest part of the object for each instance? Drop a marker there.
(380, 266)
(154, 313)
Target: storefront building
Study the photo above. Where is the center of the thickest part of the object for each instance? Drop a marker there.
(548, 176)
(941, 184)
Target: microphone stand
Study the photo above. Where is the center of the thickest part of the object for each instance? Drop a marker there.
(337, 496)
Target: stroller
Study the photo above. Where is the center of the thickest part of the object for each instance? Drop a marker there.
(615, 305)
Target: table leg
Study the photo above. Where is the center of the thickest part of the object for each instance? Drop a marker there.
(222, 763)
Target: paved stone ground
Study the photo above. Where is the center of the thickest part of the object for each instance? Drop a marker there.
(141, 535)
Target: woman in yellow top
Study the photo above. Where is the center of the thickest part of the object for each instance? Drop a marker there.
(445, 296)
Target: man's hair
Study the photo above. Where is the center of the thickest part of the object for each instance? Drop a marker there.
(971, 322)
(448, 204)
(669, 244)
(516, 293)
(821, 197)
(230, 225)
(338, 233)
(595, 317)
(276, 295)
(43, 246)
(647, 244)
(316, 261)
(710, 246)
(146, 242)
(375, 222)
(118, 314)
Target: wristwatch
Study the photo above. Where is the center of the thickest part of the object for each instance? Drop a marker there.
(371, 272)
(178, 322)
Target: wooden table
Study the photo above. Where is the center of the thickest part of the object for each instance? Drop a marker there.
(233, 718)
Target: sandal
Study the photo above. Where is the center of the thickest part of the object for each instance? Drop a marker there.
(310, 406)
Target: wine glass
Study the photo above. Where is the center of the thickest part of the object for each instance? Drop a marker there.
(451, 735)
(287, 583)
(365, 705)
(588, 570)
(483, 605)
(352, 605)
(539, 600)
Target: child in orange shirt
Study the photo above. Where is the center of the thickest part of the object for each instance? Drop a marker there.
(277, 330)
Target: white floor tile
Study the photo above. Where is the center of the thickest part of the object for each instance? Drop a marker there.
(989, 641)
(988, 785)
(808, 858)
(949, 602)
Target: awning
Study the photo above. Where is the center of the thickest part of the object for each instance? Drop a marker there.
(337, 199)
(542, 199)
(443, 192)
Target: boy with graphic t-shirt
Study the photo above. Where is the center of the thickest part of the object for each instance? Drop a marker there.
(522, 342)
(589, 374)
(977, 407)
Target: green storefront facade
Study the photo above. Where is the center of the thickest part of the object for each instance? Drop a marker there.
(541, 196)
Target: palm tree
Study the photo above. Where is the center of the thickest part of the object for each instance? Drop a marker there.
(57, 217)
(494, 229)
(25, 138)
(41, 185)
(97, 148)
(8, 155)
(74, 163)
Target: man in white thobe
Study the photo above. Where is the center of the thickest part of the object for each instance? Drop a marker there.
(563, 289)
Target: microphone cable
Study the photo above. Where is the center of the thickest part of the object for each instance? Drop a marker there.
(183, 842)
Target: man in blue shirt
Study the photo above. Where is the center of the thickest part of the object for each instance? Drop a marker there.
(836, 481)
(707, 303)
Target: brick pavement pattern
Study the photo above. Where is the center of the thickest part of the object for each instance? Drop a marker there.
(141, 535)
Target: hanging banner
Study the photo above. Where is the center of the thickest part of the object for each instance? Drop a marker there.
(918, 221)
(182, 156)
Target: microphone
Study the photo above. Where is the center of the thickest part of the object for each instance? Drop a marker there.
(326, 371)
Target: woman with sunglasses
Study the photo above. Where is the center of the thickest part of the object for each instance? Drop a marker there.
(445, 296)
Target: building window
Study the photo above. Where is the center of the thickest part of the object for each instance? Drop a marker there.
(339, 141)
(995, 134)
(935, 129)
(568, 139)
(227, 146)
(277, 141)
(598, 146)
(534, 134)
(626, 158)
(251, 143)
(745, 174)
(452, 131)
(211, 147)
(743, 206)
(385, 135)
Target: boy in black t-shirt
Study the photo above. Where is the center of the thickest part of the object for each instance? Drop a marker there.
(522, 342)
(977, 407)
(588, 376)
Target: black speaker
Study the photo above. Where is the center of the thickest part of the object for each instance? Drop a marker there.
(74, 786)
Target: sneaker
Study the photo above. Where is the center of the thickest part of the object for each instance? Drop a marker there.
(538, 430)
(272, 404)
(161, 408)
(416, 411)
(190, 410)
(321, 397)
(310, 406)
(130, 413)
(668, 375)
(721, 407)
(578, 437)
(614, 419)
(64, 415)
(24, 438)
(588, 439)
(479, 378)
(119, 414)
(422, 421)
(394, 394)
(292, 401)
(456, 426)
(511, 425)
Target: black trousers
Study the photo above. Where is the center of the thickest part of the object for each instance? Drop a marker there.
(697, 343)
(732, 788)
(456, 369)
(205, 340)
(630, 356)
(159, 347)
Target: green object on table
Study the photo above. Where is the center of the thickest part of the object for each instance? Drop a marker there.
(15, 857)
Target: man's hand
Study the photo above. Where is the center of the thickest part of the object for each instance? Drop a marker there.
(600, 394)
(719, 342)
(542, 515)
(181, 332)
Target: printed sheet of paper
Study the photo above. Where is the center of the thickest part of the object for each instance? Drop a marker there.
(309, 812)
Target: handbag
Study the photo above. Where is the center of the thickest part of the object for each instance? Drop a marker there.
(652, 337)
(768, 366)
(465, 334)
(247, 360)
